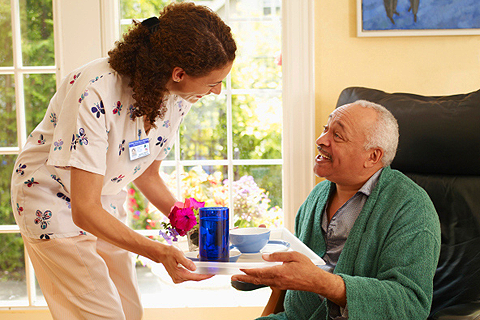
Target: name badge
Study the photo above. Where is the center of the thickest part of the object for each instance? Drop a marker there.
(139, 149)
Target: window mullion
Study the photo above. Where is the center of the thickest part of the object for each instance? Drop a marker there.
(18, 76)
(229, 131)
(30, 275)
(178, 166)
(298, 90)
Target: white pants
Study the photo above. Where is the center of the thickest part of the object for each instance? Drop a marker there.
(85, 278)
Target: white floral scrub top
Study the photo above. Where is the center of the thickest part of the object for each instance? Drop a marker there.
(87, 125)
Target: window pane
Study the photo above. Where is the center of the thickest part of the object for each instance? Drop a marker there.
(257, 126)
(37, 33)
(255, 8)
(6, 168)
(149, 284)
(203, 134)
(258, 196)
(138, 9)
(140, 214)
(169, 175)
(258, 62)
(39, 89)
(39, 298)
(6, 44)
(8, 134)
(205, 184)
(217, 6)
(12, 266)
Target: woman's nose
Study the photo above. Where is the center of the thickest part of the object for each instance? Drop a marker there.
(217, 89)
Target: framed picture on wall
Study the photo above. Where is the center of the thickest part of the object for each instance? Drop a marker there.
(387, 18)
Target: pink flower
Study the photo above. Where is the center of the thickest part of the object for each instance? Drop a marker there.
(191, 202)
(182, 219)
(183, 215)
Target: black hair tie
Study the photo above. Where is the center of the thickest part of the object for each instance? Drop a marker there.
(151, 23)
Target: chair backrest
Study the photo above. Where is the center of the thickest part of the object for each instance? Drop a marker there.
(439, 148)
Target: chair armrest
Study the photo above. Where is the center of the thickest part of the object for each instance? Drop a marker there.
(466, 311)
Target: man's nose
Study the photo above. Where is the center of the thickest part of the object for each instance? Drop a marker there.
(322, 139)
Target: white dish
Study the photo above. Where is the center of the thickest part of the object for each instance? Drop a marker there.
(271, 247)
(275, 246)
(194, 255)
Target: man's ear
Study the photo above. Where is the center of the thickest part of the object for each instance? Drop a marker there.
(375, 157)
(178, 74)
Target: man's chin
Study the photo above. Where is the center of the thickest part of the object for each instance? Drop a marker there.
(319, 172)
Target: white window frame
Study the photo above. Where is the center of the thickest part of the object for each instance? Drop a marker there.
(80, 41)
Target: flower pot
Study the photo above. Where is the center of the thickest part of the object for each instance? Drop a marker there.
(192, 238)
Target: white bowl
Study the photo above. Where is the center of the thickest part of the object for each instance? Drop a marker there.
(249, 240)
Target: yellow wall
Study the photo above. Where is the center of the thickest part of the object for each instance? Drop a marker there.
(427, 65)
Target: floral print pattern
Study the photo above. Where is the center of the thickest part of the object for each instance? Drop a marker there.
(41, 139)
(20, 169)
(80, 138)
(121, 147)
(161, 141)
(30, 183)
(117, 108)
(42, 218)
(58, 145)
(118, 179)
(83, 96)
(53, 119)
(98, 109)
(64, 197)
(75, 77)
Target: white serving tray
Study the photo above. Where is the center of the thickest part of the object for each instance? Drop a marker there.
(246, 261)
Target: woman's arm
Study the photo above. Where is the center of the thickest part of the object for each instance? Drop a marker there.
(88, 214)
(154, 188)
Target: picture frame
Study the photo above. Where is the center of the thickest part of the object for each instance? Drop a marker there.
(390, 18)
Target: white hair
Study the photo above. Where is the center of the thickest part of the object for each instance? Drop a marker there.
(384, 134)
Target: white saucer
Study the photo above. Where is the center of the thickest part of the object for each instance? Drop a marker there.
(195, 255)
(275, 246)
(271, 247)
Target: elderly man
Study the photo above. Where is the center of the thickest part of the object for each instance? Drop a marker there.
(377, 229)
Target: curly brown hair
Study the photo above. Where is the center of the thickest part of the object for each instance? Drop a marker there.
(188, 36)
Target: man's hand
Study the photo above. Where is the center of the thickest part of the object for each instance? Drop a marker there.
(297, 272)
(293, 274)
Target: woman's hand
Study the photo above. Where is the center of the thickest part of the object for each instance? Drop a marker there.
(179, 267)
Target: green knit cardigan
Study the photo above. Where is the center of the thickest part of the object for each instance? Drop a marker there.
(389, 258)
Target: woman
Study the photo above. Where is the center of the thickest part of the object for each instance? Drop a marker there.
(111, 122)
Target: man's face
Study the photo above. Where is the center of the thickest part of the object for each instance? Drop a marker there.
(341, 153)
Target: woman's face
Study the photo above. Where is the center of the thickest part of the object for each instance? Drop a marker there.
(194, 88)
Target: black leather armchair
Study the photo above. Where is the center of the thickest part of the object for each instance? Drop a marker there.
(439, 149)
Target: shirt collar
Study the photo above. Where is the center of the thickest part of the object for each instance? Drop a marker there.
(367, 188)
